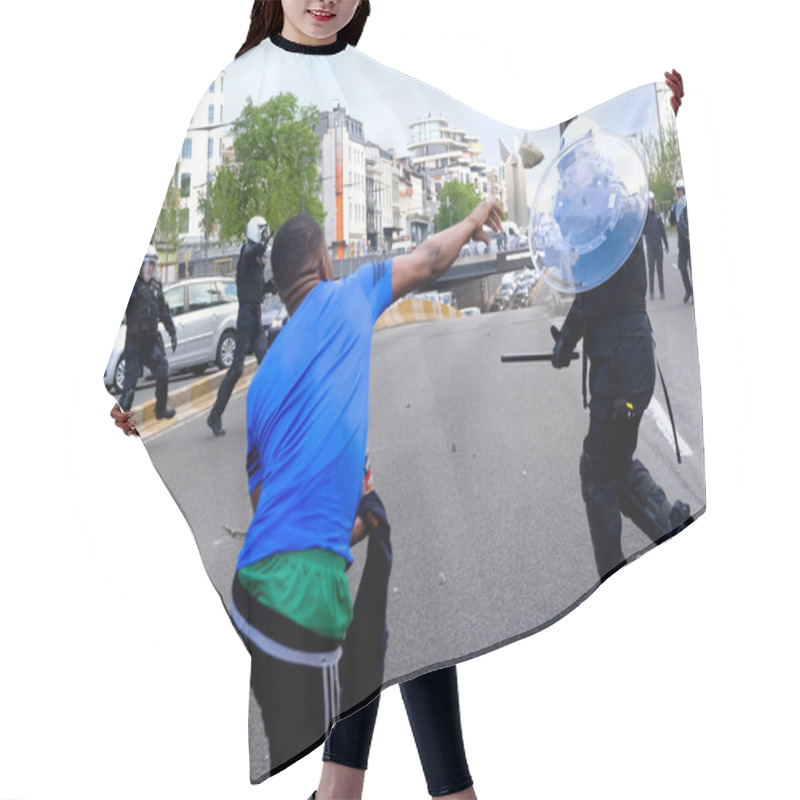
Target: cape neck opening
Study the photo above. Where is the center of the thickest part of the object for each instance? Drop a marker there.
(307, 49)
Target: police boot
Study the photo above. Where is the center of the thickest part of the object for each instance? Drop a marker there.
(126, 400)
(163, 411)
(643, 501)
(214, 422)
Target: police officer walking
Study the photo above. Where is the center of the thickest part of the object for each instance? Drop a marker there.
(612, 320)
(684, 255)
(143, 342)
(654, 234)
(250, 336)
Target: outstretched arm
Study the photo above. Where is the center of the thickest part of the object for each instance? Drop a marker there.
(436, 255)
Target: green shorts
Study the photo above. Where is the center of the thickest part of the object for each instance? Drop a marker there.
(307, 586)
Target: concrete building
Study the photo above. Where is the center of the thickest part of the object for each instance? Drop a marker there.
(380, 201)
(343, 174)
(446, 153)
(414, 201)
(201, 154)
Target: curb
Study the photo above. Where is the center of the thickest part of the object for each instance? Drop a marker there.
(189, 400)
(415, 309)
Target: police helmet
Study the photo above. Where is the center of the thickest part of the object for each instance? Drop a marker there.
(256, 228)
(149, 263)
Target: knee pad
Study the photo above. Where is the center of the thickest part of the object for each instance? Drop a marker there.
(591, 472)
(235, 370)
(597, 488)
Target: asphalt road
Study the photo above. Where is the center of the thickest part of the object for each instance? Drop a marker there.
(477, 464)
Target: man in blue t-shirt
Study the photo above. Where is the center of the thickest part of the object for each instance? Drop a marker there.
(307, 417)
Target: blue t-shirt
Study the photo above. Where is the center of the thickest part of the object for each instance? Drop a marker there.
(307, 418)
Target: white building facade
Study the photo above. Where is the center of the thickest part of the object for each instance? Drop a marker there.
(202, 152)
(447, 154)
(343, 175)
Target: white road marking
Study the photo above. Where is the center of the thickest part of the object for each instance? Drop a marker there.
(658, 414)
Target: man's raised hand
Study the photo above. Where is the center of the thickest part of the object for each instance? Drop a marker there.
(486, 213)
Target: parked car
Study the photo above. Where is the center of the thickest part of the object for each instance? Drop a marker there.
(502, 299)
(204, 312)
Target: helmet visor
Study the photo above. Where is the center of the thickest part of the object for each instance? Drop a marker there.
(148, 269)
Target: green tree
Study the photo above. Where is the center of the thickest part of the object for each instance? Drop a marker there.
(456, 201)
(167, 235)
(663, 161)
(275, 171)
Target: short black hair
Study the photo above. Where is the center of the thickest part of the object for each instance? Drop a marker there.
(297, 241)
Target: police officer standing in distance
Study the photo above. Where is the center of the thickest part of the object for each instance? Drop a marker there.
(654, 234)
(142, 339)
(250, 336)
(684, 254)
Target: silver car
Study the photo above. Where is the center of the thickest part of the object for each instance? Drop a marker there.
(204, 312)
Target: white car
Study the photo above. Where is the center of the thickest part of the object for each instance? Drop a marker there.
(204, 311)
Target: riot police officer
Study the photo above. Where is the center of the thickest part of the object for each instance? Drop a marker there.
(654, 234)
(612, 320)
(684, 254)
(250, 336)
(142, 340)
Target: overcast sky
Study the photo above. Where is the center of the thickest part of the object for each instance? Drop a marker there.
(386, 101)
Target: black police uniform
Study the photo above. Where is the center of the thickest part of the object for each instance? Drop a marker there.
(684, 255)
(250, 336)
(618, 342)
(654, 234)
(143, 342)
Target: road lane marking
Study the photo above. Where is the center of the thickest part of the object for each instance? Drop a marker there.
(657, 413)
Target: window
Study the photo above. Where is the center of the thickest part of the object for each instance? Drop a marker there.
(211, 114)
(204, 295)
(184, 220)
(228, 291)
(211, 88)
(187, 148)
(174, 300)
(186, 184)
(210, 147)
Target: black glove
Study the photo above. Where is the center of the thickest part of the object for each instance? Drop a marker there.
(372, 511)
(270, 287)
(562, 353)
(174, 340)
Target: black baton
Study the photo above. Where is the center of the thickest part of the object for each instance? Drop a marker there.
(517, 357)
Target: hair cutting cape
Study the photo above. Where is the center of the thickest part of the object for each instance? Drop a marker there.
(476, 461)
